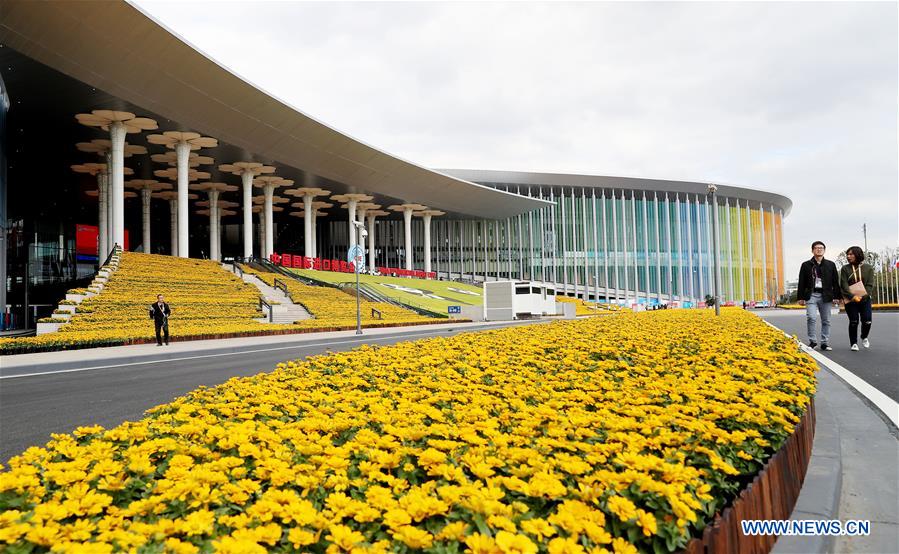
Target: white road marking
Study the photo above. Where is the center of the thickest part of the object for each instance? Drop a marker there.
(884, 403)
(371, 338)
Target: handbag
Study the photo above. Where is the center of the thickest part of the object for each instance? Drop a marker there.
(858, 287)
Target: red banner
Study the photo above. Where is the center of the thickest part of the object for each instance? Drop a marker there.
(341, 266)
(86, 240)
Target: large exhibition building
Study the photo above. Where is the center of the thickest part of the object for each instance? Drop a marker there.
(117, 132)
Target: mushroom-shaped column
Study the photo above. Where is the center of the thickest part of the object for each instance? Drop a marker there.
(407, 210)
(172, 197)
(193, 159)
(260, 229)
(351, 201)
(214, 190)
(426, 215)
(182, 142)
(222, 209)
(308, 194)
(372, 216)
(118, 124)
(100, 170)
(146, 187)
(361, 210)
(103, 148)
(247, 171)
(181, 231)
(318, 208)
(268, 184)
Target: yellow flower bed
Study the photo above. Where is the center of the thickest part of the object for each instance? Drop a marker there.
(205, 301)
(335, 307)
(592, 435)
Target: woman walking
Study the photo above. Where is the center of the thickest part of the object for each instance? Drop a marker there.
(857, 285)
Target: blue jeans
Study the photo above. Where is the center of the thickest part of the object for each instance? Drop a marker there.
(815, 307)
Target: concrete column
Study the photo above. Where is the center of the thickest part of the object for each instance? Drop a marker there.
(308, 249)
(314, 233)
(247, 179)
(351, 212)
(269, 227)
(110, 224)
(407, 227)
(146, 196)
(427, 222)
(117, 137)
(372, 243)
(362, 241)
(213, 209)
(218, 234)
(261, 233)
(173, 210)
(102, 216)
(182, 151)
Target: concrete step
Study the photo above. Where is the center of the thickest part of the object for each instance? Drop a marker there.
(284, 310)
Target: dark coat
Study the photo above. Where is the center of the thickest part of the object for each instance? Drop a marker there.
(160, 316)
(846, 279)
(830, 280)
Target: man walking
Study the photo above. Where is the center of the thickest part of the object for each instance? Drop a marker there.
(819, 287)
(159, 313)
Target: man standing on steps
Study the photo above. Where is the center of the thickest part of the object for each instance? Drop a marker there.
(819, 287)
(159, 313)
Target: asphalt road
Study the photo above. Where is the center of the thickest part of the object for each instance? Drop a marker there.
(878, 365)
(31, 408)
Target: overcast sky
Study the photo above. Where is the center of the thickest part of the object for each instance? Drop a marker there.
(794, 98)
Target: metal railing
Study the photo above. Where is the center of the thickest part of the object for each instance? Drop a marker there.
(271, 312)
(281, 285)
(237, 269)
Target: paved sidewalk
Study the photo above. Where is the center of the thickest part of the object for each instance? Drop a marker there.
(60, 360)
(852, 473)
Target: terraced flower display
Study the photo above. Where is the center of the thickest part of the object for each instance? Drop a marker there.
(336, 307)
(590, 308)
(595, 435)
(205, 300)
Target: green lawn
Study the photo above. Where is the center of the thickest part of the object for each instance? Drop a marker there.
(415, 297)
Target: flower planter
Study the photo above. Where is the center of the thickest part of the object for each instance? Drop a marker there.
(65, 316)
(100, 279)
(76, 297)
(67, 308)
(44, 328)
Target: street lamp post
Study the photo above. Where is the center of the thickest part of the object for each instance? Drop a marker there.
(713, 191)
(358, 255)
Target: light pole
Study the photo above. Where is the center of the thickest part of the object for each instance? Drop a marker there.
(358, 258)
(713, 191)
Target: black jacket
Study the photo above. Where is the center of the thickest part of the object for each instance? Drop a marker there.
(830, 280)
(160, 316)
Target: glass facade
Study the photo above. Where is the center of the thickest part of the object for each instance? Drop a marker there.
(611, 244)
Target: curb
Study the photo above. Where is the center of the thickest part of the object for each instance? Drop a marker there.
(820, 494)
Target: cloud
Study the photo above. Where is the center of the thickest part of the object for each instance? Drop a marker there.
(797, 98)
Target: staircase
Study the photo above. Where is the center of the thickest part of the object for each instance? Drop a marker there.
(283, 308)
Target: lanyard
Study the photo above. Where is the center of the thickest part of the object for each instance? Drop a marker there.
(857, 274)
